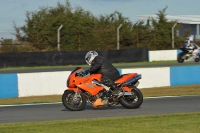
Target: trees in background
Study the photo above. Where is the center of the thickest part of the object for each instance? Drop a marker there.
(84, 31)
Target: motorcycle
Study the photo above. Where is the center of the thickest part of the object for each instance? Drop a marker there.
(86, 88)
(186, 56)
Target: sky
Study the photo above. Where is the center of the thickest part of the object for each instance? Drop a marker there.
(15, 10)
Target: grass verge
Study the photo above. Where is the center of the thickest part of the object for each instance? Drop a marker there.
(173, 123)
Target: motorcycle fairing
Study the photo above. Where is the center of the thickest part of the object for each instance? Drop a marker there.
(70, 80)
(98, 103)
(85, 83)
(127, 89)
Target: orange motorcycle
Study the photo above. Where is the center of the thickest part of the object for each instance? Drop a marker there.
(84, 88)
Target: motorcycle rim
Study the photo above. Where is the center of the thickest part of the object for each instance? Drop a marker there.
(132, 101)
(72, 102)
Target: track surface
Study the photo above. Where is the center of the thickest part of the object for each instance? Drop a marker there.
(46, 112)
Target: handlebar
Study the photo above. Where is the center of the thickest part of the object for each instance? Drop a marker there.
(81, 73)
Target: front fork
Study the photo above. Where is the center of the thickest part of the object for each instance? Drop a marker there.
(77, 93)
(75, 98)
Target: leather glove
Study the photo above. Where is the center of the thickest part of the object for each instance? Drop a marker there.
(86, 72)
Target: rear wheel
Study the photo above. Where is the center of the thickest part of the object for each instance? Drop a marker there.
(73, 101)
(132, 101)
(179, 58)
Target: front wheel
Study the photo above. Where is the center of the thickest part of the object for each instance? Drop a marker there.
(132, 101)
(74, 101)
(197, 59)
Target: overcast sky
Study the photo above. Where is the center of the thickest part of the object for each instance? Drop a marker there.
(15, 10)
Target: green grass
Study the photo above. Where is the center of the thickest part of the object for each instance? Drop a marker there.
(173, 123)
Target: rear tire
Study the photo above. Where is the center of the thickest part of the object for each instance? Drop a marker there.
(179, 59)
(132, 101)
(73, 104)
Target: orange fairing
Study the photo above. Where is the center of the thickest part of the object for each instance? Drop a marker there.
(86, 84)
(125, 77)
(97, 103)
(71, 78)
(127, 89)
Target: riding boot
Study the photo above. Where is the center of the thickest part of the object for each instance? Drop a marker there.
(108, 82)
(115, 89)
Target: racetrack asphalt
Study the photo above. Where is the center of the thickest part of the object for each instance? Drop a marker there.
(56, 111)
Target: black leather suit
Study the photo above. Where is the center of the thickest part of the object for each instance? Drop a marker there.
(109, 73)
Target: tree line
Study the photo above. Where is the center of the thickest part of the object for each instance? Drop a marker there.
(83, 31)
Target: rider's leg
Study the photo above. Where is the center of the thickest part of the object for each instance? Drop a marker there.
(194, 53)
(110, 83)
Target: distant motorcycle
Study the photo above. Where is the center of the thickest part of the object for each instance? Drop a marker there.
(185, 56)
(84, 88)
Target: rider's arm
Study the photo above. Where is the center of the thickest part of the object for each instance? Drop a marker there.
(96, 65)
(196, 46)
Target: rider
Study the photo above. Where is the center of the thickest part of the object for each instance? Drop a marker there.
(102, 66)
(191, 47)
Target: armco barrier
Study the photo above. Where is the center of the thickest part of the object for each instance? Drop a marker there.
(53, 83)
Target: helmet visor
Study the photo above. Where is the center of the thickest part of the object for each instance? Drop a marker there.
(87, 58)
(90, 56)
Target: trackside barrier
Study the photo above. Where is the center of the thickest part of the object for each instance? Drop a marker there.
(184, 75)
(163, 55)
(43, 83)
(151, 77)
(8, 85)
(54, 83)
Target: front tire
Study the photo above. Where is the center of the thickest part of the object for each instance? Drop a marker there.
(197, 59)
(74, 103)
(132, 101)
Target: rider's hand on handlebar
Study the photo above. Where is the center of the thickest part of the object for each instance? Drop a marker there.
(86, 72)
(83, 73)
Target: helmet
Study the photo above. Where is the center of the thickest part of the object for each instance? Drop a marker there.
(89, 57)
(190, 38)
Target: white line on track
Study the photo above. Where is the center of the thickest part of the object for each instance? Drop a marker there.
(29, 104)
(169, 96)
